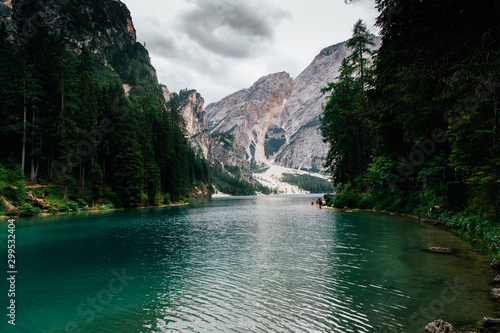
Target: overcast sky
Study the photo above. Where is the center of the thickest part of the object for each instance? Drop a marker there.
(221, 46)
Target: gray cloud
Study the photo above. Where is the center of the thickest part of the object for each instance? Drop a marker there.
(164, 45)
(159, 38)
(232, 28)
(221, 46)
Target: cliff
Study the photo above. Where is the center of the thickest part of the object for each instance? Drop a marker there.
(305, 148)
(250, 114)
(97, 25)
(191, 107)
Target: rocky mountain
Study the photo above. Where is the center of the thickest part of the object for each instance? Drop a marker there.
(96, 24)
(249, 115)
(218, 148)
(276, 120)
(103, 27)
(191, 107)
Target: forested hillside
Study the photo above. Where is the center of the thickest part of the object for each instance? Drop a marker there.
(92, 125)
(416, 129)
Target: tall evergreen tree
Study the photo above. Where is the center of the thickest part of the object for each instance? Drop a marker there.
(88, 115)
(344, 123)
(127, 162)
(66, 118)
(436, 74)
(12, 126)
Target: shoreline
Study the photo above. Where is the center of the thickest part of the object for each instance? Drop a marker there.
(92, 211)
(473, 240)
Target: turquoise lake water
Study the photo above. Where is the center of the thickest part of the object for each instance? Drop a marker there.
(252, 264)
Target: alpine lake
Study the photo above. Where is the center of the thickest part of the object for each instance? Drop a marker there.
(246, 264)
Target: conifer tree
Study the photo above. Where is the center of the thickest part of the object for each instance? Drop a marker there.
(12, 124)
(127, 165)
(344, 123)
(88, 115)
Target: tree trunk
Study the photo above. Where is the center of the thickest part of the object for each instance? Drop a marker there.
(33, 175)
(23, 153)
(51, 161)
(9, 208)
(83, 178)
(490, 322)
(103, 175)
(359, 154)
(495, 117)
(62, 97)
(351, 171)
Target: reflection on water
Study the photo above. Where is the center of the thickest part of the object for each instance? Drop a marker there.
(259, 264)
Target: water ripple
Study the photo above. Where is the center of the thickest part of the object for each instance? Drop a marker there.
(242, 265)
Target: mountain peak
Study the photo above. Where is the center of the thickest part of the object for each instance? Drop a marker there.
(276, 120)
(328, 51)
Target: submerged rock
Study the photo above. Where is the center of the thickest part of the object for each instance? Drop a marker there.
(436, 249)
(495, 264)
(440, 326)
(497, 279)
(425, 220)
(486, 322)
(346, 210)
(495, 292)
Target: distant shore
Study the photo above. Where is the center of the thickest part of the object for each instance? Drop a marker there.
(93, 211)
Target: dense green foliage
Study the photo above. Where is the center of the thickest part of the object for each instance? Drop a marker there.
(66, 119)
(273, 145)
(133, 67)
(344, 124)
(233, 185)
(226, 138)
(308, 183)
(422, 132)
(12, 186)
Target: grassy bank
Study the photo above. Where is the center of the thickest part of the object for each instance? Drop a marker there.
(25, 200)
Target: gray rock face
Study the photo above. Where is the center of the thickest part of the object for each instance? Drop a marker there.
(97, 25)
(191, 109)
(277, 119)
(249, 113)
(305, 148)
(221, 149)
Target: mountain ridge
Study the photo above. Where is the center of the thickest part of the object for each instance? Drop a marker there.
(283, 126)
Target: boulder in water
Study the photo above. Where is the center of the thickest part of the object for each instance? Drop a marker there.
(347, 210)
(437, 249)
(440, 326)
(495, 264)
(495, 292)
